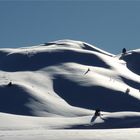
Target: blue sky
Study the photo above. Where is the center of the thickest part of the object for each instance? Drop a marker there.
(109, 25)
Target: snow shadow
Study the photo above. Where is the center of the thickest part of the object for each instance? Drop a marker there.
(131, 83)
(133, 62)
(94, 97)
(93, 119)
(87, 47)
(36, 61)
(112, 123)
(14, 99)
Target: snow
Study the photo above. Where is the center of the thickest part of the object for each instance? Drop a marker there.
(58, 85)
(115, 134)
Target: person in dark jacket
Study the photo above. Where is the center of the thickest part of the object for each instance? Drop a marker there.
(9, 84)
(97, 112)
(124, 50)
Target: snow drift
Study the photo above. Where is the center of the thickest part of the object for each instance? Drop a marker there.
(65, 81)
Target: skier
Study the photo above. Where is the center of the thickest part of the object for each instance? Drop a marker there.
(97, 112)
(124, 50)
(87, 71)
(127, 90)
(9, 84)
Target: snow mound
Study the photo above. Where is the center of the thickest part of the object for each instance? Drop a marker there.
(132, 59)
(70, 79)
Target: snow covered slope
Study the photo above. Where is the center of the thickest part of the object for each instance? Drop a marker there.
(63, 82)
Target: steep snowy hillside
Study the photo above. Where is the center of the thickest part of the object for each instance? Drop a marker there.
(63, 82)
(132, 58)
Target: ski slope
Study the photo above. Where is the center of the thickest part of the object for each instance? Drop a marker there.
(60, 84)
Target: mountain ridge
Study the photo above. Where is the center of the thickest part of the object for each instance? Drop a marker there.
(68, 78)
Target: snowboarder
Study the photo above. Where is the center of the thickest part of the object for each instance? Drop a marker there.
(124, 50)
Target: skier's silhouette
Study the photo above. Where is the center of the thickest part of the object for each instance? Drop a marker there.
(97, 112)
(127, 90)
(9, 84)
(124, 50)
(87, 71)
